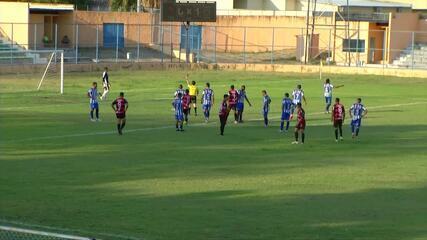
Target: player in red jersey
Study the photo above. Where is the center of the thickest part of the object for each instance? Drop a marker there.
(186, 101)
(120, 106)
(299, 128)
(224, 110)
(233, 96)
(338, 116)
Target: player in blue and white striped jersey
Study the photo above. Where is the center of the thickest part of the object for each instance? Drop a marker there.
(93, 95)
(179, 112)
(208, 100)
(266, 100)
(327, 89)
(242, 97)
(286, 112)
(357, 112)
(297, 97)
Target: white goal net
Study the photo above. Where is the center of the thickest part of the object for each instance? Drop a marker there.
(52, 77)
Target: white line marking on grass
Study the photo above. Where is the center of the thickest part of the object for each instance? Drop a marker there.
(167, 127)
(28, 225)
(375, 107)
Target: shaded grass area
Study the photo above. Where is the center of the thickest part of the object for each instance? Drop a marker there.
(154, 183)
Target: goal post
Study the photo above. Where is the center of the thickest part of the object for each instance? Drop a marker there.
(51, 68)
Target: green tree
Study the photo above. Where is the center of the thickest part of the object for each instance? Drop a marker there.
(123, 5)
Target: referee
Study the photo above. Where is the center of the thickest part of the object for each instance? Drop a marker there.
(194, 92)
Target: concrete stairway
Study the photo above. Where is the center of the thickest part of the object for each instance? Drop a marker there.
(14, 54)
(418, 60)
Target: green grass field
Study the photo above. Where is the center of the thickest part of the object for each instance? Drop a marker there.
(58, 169)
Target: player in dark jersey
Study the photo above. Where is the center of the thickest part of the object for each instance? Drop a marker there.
(106, 84)
(233, 96)
(266, 100)
(224, 110)
(186, 101)
(299, 128)
(120, 106)
(338, 116)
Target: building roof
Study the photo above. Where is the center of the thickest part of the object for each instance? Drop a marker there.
(364, 3)
(50, 7)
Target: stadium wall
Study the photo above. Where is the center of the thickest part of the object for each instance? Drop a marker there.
(38, 69)
(14, 12)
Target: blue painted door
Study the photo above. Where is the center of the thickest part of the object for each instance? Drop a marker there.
(114, 35)
(194, 37)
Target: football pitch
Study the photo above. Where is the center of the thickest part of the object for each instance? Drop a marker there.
(60, 170)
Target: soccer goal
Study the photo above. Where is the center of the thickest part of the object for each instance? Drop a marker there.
(14, 233)
(53, 71)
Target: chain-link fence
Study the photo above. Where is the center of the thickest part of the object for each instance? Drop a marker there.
(116, 42)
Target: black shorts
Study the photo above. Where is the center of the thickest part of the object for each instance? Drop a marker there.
(121, 115)
(186, 110)
(193, 99)
(338, 123)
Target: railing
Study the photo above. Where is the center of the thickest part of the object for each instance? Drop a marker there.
(369, 17)
(86, 43)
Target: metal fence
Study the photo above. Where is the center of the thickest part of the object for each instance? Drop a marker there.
(115, 42)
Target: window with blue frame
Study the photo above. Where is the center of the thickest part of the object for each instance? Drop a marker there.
(194, 37)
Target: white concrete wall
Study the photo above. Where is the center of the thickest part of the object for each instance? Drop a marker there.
(224, 4)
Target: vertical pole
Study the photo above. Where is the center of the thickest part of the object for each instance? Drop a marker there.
(35, 36)
(11, 47)
(329, 47)
(62, 72)
(97, 44)
(77, 43)
(162, 35)
(171, 39)
(306, 32)
(187, 44)
(357, 45)
(215, 46)
(117, 42)
(348, 33)
(272, 47)
(139, 39)
(56, 37)
(413, 49)
(244, 45)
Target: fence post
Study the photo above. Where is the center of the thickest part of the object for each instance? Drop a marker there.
(139, 39)
(171, 39)
(162, 35)
(272, 47)
(187, 44)
(77, 43)
(413, 50)
(244, 45)
(35, 36)
(11, 46)
(56, 41)
(215, 46)
(329, 47)
(117, 42)
(97, 44)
